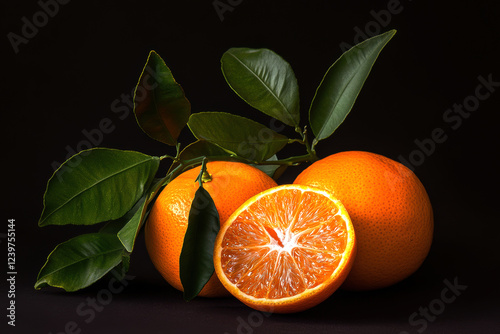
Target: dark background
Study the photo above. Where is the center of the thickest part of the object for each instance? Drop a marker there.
(64, 80)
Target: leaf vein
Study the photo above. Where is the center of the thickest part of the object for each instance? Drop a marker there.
(81, 260)
(265, 85)
(92, 185)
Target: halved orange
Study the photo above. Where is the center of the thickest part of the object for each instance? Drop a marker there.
(286, 249)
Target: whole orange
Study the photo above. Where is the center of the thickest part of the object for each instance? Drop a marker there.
(231, 184)
(390, 211)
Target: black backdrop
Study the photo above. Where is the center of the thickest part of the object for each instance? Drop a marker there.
(68, 72)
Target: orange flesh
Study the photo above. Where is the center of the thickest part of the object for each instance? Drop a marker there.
(273, 256)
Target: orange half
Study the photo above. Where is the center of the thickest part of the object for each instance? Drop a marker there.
(286, 249)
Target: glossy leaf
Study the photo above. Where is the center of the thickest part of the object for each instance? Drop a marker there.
(202, 148)
(265, 81)
(97, 185)
(237, 134)
(122, 268)
(115, 226)
(342, 83)
(198, 149)
(161, 108)
(81, 261)
(269, 169)
(196, 260)
(135, 218)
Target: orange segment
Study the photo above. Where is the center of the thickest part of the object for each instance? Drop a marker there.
(320, 265)
(329, 236)
(285, 249)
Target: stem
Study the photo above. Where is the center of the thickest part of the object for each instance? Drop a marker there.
(315, 141)
(305, 141)
(299, 131)
(310, 149)
(300, 141)
(204, 176)
(166, 156)
(288, 161)
(178, 150)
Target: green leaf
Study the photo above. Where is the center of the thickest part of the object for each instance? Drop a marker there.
(81, 261)
(202, 148)
(114, 226)
(279, 171)
(122, 268)
(128, 226)
(265, 81)
(268, 169)
(161, 107)
(342, 83)
(135, 218)
(244, 137)
(198, 149)
(97, 185)
(129, 231)
(196, 260)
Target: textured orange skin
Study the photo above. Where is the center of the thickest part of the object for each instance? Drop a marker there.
(390, 211)
(231, 185)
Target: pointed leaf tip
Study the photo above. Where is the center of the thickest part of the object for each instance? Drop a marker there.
(196, 260)
(79, 262)
(97, 185)
(242, 136)
(342, 83)
(160, 106)
(265, 81)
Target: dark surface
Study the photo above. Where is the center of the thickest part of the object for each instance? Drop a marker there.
(66, 78)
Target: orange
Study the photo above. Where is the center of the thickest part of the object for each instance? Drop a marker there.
(232, 184)
(390, 211)
(286, 249)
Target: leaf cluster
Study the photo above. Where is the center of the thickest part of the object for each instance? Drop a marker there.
(115, 189)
